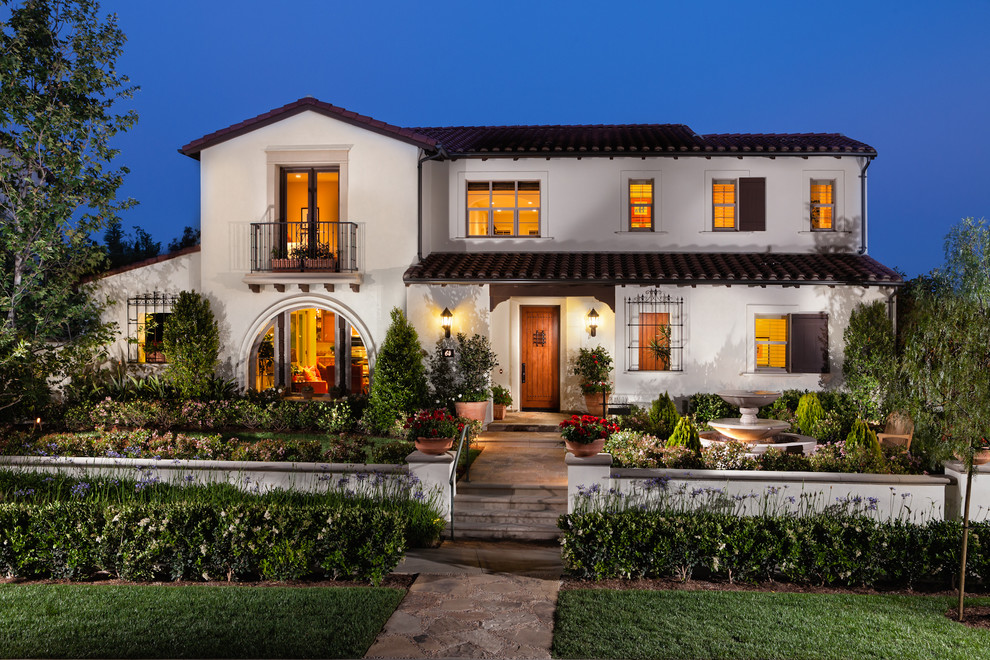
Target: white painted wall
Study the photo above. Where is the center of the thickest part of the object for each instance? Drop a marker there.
(170, 276)
(584, 204)
(378, 191)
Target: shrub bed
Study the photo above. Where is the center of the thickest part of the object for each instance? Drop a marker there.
(198, 541)
(351, 500)
(824, 549)
(144, 443)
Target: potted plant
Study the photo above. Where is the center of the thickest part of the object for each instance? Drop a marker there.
(501, 399)
(320, 257)
(585, 435)
(475, 361)
(281, 260)
(433, 431)
(593, 367)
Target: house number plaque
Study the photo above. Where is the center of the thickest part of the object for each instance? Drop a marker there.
(540, 338)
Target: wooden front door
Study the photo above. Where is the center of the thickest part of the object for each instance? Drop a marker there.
(539, 350)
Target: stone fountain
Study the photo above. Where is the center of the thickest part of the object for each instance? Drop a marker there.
(759, 434)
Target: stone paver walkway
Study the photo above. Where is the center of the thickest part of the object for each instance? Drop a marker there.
(483, 599)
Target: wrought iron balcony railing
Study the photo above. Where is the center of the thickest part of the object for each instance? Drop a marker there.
(328, 247)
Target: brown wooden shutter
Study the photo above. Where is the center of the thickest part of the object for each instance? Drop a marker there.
(752, 204)
(809, 343)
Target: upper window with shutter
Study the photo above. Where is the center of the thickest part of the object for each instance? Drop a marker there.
(739, 204)
(792, 343)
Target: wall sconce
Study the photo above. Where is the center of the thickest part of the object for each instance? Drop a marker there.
(593, 321)
(445, 320)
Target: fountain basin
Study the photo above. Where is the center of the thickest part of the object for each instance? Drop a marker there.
(748, 431)
(749, 398)
(791, 443)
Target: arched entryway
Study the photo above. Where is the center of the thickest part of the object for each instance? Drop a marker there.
(310, 343)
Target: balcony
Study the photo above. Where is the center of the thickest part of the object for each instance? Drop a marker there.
(303, 253)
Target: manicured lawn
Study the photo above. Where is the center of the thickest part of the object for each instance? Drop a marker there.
(722, 624)
(113, 621)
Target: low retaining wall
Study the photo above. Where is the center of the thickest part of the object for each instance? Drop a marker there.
(433, 472)
(912, 497)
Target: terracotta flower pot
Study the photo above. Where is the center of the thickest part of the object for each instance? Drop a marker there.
(981, 456)
(434, 446)
(472, 409)
(582, 450)
(594, 402)
(498, 411)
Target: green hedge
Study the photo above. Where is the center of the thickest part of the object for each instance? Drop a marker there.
(846, 551)
(198, 541)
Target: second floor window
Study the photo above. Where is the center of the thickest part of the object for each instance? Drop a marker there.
(503, 208)
(739, 204)
(822, 204)
(641, 204)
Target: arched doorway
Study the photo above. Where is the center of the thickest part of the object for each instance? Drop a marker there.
(312, 346)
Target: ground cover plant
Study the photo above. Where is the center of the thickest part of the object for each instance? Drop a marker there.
(732, 624)
(132, 621)
(358, 528)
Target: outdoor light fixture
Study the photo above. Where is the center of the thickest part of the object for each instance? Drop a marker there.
(445, 320)
(593, 321)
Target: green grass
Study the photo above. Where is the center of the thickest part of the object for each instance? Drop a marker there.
(113, 621)
(724, 624)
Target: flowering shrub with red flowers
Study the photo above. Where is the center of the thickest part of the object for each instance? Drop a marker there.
(593, 367)
(436, 423)
(585, 429)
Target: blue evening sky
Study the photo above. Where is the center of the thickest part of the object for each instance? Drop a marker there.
(909, 78)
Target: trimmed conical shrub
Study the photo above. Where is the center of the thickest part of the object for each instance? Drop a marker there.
(809, 412)
(862, 437)
(685, 435)
(663, 417)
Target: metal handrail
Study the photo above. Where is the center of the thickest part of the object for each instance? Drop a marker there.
(304, 246)
(453, 472)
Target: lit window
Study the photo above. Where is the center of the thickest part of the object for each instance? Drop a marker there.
(503, 208)
(795, 343)
(146, 317)
(771, 342)
(822, 204)
(641, 204)
(724, 203)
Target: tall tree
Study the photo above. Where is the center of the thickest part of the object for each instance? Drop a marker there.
(947, 352)
(59, 96)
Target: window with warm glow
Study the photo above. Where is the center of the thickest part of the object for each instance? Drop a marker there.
(724, 203)
(822, 204)
(503, 208)
(771, 342)
(146, 317)
(640, 204)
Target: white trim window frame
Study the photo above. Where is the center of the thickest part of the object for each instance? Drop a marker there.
(725, 200)
(487, 203)
(641, 197)
(822, 202)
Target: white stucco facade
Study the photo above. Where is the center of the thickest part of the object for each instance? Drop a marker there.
(407, 198)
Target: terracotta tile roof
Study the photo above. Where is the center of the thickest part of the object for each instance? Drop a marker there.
(786, 143)
(586, 139)
(296, 107)
(579, 140)
(652, 268)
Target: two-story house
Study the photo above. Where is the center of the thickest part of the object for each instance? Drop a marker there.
(701, 262)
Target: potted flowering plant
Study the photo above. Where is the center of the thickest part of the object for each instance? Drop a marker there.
(585, 435)
(433, 431)
(475, 361)
(593, 366)
(501, 399)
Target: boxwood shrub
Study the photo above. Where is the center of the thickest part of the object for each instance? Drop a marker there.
(825, 549)
(198, 541)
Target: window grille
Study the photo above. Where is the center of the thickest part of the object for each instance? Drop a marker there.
(146, 315)
(655, 322)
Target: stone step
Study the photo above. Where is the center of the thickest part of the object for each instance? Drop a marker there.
(501, 517)
(503, 531)
(471, 502)
(508, 427)
(506, 492)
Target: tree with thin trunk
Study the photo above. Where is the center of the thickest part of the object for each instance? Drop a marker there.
(946, 360)
(59, 96)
